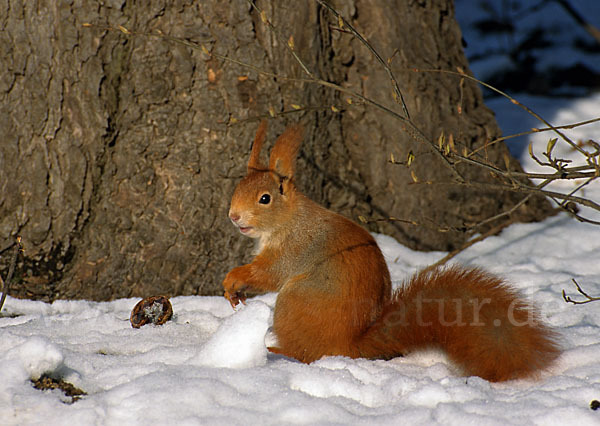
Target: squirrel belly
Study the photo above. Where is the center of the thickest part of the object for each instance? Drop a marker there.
(334, 288)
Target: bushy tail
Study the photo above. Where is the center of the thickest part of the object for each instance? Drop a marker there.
(484, 326)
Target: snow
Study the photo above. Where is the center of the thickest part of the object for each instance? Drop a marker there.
(541, 31)
(247, 330)
(209, 364)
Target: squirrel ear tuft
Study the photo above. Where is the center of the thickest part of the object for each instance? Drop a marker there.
(283, 154)
(254, 161)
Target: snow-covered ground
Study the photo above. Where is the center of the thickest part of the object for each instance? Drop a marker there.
(209, 364)
(531, 45)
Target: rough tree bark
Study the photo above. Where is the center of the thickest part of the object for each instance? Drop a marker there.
(118, 155)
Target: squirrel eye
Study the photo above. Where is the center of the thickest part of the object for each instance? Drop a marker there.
(265, 199)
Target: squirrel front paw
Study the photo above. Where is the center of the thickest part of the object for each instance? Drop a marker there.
(234, 286)
(235, 298)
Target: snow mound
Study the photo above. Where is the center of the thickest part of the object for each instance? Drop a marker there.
(240, 341)
(32, 358)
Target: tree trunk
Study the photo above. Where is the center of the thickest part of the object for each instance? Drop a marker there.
(120, 150)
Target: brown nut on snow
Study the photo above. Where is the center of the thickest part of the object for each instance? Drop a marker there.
(156, 310)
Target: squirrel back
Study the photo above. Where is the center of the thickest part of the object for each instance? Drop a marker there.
(335, 295)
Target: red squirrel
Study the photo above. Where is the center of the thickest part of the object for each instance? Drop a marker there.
(334, 289)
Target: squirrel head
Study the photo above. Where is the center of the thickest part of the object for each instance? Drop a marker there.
(265, 200)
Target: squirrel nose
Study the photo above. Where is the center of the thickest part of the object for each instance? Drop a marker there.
(234, 217)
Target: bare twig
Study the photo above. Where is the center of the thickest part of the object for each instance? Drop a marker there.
(295, 110)
(580, 290)
(512, 180)
(535, 130)
(289, 42)
(512, 100)
(11, 271)
(562, 174)
(469, 243)
(535, 190)
(591, 29)
(158, 33)
(406, 124)
(509, 211)
(397, 93)
(430, 224)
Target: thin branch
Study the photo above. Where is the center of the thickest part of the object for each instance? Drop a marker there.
(534, 190)
(579, 188)
(580, 290)
(397, 93)
(449, 157)
(407, 125)
(512, 100)
(523, 188)
(563, 174)
(159, 34)
(519, 186)
(468, 229)
(572, 209)
(298, 109)
(511, 210)
(289, 43)
(11, 271)
(431, 225)
(591, 29)
(469, 243)
(532, 131)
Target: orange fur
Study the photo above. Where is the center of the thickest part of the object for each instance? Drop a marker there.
(335, 294)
